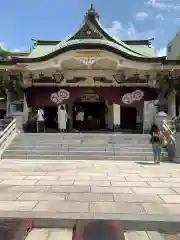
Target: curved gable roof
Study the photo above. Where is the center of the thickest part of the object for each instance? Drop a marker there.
(91, 44)
(98, 34)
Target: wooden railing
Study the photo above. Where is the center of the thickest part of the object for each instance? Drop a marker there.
(7, 135)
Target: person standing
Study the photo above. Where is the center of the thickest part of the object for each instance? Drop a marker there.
(40, 123)
(80, 119)
(32, 122)
(156, 144)
(62, 118)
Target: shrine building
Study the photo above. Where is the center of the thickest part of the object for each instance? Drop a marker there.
(115, 81)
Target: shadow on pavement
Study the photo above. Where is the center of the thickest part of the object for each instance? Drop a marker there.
(14, 229)
(146, 163)
(98, 230)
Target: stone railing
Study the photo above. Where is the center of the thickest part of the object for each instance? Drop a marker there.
(7, 135)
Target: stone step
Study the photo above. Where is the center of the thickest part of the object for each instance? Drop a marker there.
(119, 138)
(80, 136)
(77, 157)
(85, 134)
(84, 138)
(78, 148)
(52, 152)
(76, 143)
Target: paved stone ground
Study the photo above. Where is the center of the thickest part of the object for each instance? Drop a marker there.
(50, 234)
(86, 189)
(66, 234)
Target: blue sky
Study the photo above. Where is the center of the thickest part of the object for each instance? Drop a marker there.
(56, 19)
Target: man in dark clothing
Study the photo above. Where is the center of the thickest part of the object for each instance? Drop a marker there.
(156, 143)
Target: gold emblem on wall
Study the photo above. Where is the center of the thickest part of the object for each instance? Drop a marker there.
(88, 54)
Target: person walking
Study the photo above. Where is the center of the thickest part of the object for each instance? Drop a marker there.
(40, 123)
(62, 118)
(156, 144)
(80, 119)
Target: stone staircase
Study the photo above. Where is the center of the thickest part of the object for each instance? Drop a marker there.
(77, 146)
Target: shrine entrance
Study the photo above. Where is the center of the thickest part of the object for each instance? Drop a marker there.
(94, 109)
(51, 118)
(128, 118)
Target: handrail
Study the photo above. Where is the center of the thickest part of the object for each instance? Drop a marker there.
(167, 132)
(8, 126)
(7, 135)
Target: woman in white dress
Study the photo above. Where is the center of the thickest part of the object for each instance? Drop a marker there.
(62, 118)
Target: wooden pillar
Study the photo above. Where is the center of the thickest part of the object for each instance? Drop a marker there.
(8, 102)
(26, 110)
(109, 116)
(172, 105)
(70, 114)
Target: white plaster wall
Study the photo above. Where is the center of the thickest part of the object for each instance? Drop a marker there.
(116, 114)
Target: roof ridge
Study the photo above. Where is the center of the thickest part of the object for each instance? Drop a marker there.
(101, 41)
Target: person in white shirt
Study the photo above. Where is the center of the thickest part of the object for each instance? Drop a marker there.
(62, 118)
(80, 119)
(40, 120)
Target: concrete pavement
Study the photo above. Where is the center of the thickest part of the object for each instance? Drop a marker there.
(143, 194)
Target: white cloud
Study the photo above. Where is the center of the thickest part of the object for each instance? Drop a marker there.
(129, 32)
(140, 16)
(116, 28)
(160, 16)
(161, 52)
(164, 4)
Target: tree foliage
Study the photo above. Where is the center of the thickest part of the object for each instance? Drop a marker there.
(4, 53)
(178, 56)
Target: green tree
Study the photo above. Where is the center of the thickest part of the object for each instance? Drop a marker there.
(4, 53)
(178, 56)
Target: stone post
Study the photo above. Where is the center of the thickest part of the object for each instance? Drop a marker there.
(172, 105)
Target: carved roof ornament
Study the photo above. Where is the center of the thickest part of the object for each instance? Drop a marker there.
(91, 13)
(89, 32)
(119, 77)
(89, 29)
(88, 61)
(76, 80)
(58, 77)
(102, 80)
(147, 76)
